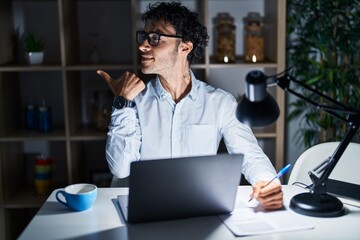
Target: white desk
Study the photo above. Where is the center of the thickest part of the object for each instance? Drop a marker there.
(104, 221)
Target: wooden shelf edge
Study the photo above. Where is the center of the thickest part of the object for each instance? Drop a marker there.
(85, 67)
(115, 66)
(87, 133)
(30, 68)
(59, 67)
(26, 135)
(87, 138)
(265, 135)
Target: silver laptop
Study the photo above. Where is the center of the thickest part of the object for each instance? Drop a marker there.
(178, 188)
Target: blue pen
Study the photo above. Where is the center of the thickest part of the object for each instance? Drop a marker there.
(282, 171)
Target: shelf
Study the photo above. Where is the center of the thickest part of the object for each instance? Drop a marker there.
(240, 63)
(88, 133)
(265, 132)
(91, 134)
(29, 68)
(243, 65)
(55, 67)
(85, 67)
(20, 135)
(68, 82)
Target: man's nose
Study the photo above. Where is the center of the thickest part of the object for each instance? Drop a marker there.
(144, 46)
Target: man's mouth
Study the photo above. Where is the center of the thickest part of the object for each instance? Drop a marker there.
(146, 58)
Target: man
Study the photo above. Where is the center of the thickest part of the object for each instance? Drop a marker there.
(176, 115)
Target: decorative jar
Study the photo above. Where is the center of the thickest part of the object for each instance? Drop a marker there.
(224, 38)
(253, 38)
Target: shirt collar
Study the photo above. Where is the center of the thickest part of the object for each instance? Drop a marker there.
(161, 92)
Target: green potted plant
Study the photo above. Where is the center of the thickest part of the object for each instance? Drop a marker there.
(324, 51)
(34, 48)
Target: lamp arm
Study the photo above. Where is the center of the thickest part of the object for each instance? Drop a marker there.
(352, 129)
(320, 174)
(331, 110)
(284, 83)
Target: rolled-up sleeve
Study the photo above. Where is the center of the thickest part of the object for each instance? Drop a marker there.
(123, 141)
(239, 138)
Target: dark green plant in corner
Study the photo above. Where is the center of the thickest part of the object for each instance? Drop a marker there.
(33, 42)
(324, 51)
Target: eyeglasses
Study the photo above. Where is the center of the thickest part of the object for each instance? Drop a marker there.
(152, 37)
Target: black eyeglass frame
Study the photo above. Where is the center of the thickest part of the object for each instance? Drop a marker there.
(149, 39)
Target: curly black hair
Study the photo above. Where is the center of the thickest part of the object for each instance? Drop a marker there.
(185, 22)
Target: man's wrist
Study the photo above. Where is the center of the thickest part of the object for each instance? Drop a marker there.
(120, 102)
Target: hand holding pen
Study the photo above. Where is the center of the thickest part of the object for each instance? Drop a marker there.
(281, 172)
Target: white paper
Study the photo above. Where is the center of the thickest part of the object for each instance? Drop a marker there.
(256, 221)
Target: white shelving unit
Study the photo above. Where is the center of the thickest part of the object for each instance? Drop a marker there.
(67, 80)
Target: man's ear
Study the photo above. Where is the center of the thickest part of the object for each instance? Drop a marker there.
(186, 47)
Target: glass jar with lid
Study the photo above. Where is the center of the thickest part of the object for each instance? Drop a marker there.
(253, 38)
(224, 38)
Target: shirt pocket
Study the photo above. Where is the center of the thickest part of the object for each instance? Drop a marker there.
(201, 139)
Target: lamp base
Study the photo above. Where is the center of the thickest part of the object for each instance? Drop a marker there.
(317, 205)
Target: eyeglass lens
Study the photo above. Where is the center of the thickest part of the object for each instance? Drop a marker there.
(153, 38)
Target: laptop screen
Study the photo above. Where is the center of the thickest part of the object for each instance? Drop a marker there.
(183, 187)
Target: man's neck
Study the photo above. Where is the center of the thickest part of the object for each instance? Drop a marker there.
(178, 85)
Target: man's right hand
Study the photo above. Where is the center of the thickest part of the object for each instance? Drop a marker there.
(128, 85)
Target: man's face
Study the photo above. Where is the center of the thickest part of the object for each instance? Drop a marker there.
(163, 57)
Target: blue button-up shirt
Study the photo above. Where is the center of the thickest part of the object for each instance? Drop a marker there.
(160, 128)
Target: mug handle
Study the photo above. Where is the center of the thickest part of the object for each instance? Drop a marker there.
(58, 199)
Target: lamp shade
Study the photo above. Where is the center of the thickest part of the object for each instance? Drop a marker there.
(257, 108)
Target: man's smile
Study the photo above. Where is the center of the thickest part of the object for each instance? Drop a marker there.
(146, 58)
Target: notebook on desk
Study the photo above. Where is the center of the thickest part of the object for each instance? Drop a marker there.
(181, 188)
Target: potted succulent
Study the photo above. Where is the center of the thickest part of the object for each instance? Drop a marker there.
(34, 48)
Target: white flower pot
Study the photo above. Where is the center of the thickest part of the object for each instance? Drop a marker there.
(34, 58)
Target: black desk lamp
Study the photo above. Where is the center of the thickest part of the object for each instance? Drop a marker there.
(259, 108)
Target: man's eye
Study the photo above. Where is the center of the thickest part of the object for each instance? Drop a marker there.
(154, 37)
